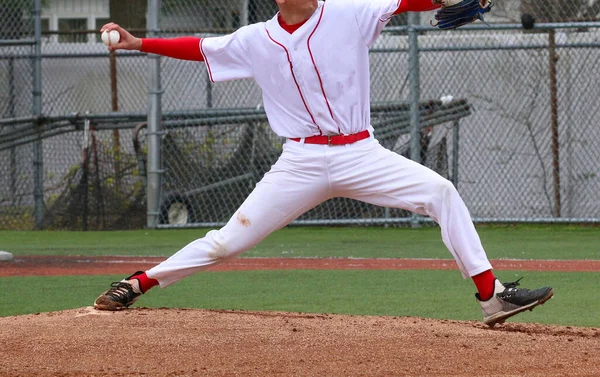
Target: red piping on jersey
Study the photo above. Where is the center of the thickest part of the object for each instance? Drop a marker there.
(295, 81)
(315, 65)
(206, 61)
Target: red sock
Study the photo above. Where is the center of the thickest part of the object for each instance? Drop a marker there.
(485, 284)
(145, 282)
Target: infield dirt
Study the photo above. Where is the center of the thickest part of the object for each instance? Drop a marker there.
(179, 342)
(192, 342)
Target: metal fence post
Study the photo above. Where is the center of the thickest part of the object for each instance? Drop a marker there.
(154, 122)
(38, 158)
(11, 114)
(415, 94)
(553, 58)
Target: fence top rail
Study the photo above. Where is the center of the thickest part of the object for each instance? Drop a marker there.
(16, 42)
(513, 26)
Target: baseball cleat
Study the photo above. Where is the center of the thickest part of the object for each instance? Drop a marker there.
(120, 295)
(509, 300)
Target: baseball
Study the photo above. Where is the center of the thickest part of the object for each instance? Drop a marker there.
(446, 99)
(111, 38)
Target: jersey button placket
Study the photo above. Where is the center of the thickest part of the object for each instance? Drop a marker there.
(301, 82)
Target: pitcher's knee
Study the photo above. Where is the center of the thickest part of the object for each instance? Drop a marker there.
(444, 187)
(440, 192)
(219, 245)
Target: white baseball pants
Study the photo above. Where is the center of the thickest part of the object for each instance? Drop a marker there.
(308, 174)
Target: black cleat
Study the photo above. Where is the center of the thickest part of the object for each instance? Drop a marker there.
(120, 295)
(509, 300)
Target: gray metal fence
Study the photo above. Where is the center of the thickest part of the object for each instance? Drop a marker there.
(90, 140)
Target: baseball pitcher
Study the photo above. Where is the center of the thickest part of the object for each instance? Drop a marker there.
(311, 61)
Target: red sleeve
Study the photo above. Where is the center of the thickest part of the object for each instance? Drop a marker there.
(184, 48)
(416, 6)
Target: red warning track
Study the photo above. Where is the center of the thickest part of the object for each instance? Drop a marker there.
(80, 265)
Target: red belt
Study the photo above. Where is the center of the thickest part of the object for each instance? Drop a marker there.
(335, 139)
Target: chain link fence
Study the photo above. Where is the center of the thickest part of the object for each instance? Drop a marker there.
(16, 99)
(528, 149)
(508, 115)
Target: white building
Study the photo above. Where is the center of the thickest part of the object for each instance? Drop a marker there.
(67, 15)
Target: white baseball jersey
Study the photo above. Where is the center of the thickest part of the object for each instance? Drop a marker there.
(314, 81)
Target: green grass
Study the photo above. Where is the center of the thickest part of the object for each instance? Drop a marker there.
(431, 294)
(520, 242)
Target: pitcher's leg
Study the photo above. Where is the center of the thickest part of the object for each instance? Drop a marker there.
(263, 212)
(384, 178)
(295, 184)
(282, 195)
(394, 181)
(448, 209)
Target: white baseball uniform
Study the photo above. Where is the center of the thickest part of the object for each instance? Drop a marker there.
(315, 81)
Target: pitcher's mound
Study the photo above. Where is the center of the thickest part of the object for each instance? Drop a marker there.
(190, 342)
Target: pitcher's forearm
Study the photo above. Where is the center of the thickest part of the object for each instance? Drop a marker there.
(184, 48)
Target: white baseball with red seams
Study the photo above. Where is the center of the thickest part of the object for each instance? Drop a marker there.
(315, 81)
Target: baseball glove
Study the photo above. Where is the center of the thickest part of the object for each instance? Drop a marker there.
(456, 13)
